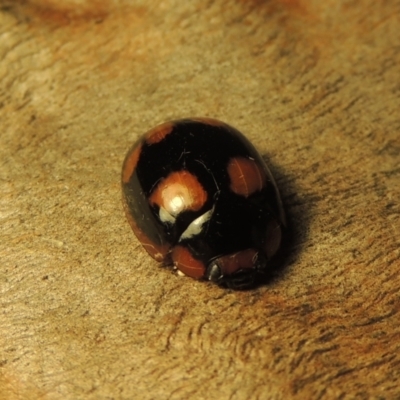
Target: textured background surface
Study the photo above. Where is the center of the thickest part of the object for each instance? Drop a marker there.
(85, 314)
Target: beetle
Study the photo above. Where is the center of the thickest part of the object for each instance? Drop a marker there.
(199, 196)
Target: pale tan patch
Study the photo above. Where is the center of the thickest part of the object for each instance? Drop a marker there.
(246, 176)
(14, 387)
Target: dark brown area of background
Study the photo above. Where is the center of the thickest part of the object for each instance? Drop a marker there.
(85, 313)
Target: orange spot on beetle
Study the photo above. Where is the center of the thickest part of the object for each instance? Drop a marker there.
(159, 133)
(246, 176)
(179, 191)
(186, 263)
(130, 163)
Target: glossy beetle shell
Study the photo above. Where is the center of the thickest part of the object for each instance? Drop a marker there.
(199, 196)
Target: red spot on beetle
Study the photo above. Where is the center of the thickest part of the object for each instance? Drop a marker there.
(186, 263)
(246, 176)
(231, 263)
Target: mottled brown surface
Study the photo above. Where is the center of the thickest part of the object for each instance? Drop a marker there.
(85, 313)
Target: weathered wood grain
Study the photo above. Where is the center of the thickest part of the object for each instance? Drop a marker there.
(85, 314)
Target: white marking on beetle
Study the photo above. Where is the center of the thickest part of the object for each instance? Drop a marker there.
(165, 216)
(196, 226)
